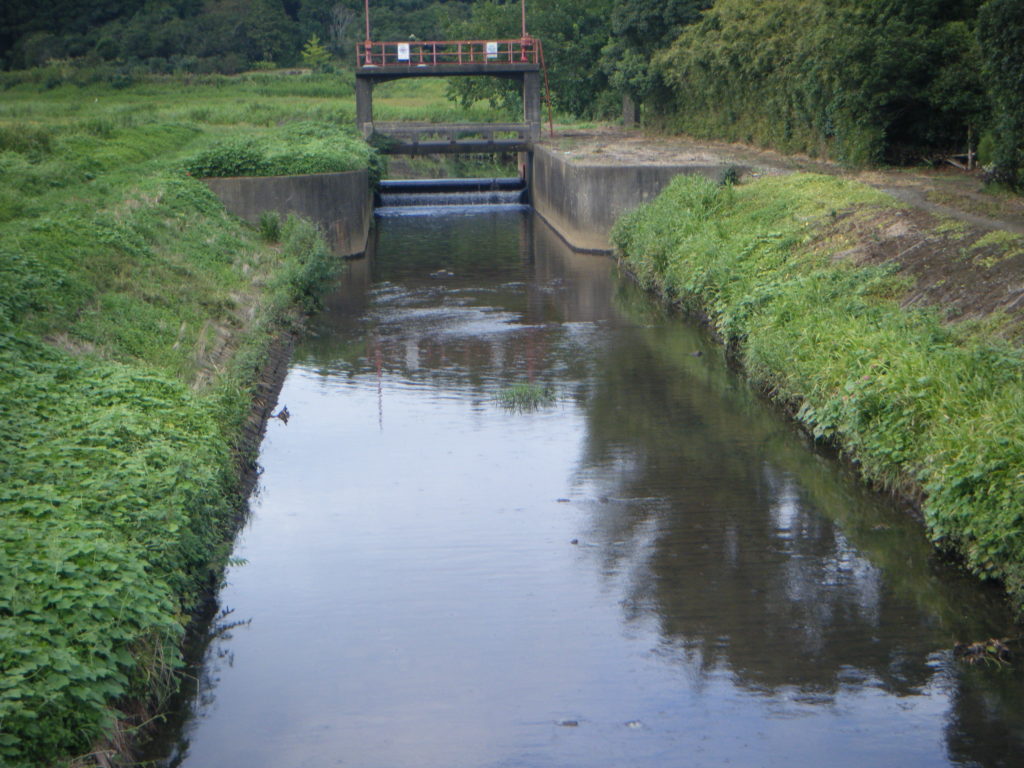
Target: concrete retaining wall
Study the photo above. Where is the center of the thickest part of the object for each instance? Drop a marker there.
(341, 204)
(582, 200)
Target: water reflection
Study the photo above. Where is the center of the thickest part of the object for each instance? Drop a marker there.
(657, 558)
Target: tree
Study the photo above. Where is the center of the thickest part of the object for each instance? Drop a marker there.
(638, 29)
(573, 33)
(859, 80)
(314, 55)
(1000, 32)
(336, 22)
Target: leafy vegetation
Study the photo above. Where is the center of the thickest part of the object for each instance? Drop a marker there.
(573, 33)
(857, 81)
(305, 147)
(204, 36)
(1000, 29)
(135, 317)
(919, 404)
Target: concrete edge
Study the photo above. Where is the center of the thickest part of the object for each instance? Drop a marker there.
(341, 204)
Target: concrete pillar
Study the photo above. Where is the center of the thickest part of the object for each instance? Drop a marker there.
(531, 103)
(364, 106)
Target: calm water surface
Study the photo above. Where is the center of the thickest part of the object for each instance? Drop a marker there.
(654, 570)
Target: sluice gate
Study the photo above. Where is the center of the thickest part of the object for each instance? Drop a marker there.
(451, 192)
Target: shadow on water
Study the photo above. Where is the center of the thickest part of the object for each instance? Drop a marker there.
(656, 568)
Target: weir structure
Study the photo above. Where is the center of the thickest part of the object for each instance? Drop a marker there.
(520, 60)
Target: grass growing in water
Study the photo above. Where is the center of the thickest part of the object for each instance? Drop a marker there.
(920, 404)
(525, 396)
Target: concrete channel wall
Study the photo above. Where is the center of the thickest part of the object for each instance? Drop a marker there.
(581, 200)
(341, 204)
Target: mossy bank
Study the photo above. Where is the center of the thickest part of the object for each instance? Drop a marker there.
(135, 318)
(888, 332)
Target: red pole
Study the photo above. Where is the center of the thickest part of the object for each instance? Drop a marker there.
(367, 45)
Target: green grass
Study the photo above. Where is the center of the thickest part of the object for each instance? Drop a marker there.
(920, 405)
(135, 317)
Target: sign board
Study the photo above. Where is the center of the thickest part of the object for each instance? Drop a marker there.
(403, 51)
(492, 50)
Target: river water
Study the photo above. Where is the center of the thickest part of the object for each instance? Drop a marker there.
(652, 569)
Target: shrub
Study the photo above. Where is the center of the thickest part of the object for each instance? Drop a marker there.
(233, 157)
(270, 227)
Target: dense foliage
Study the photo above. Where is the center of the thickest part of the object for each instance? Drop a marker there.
(573, 33)
(916, 401)
(859, 81)
(205, 35)
(135, 316)
(639, 28)
(1001, 30)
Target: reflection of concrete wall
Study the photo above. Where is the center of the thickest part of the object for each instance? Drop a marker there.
(582, 200)
(340, 203)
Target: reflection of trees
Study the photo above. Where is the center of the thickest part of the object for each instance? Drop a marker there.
(745, 570)
(986, 725)
(741, 572)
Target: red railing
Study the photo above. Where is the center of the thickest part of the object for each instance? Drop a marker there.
(415, 53)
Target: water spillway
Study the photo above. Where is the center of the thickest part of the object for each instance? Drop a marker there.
(451, 192)
(644, 567)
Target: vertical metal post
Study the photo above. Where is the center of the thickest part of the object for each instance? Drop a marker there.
(367, 45)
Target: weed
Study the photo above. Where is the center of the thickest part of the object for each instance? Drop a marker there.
(525, 396)
(270, 227)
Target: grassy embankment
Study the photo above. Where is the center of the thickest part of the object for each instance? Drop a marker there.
(135, 317)
(925, 406)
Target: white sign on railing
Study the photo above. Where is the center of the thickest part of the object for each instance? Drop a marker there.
(403, 51)
(492, 50)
